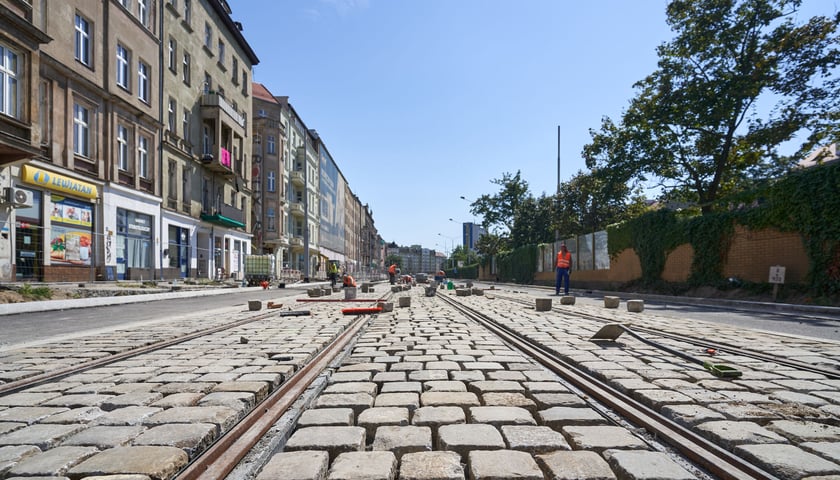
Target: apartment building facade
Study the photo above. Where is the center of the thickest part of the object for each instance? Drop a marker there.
(270, 176)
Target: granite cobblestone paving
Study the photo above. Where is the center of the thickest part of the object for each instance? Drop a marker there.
(146, 416)
(492, 413)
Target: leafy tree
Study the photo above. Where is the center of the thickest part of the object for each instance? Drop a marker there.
(696, 122)
(589, 202)
(499, 210)
(489, 245)
(532, 223)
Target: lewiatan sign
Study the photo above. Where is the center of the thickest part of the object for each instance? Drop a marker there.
(57, 182)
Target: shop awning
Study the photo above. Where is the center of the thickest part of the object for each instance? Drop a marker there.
(222, 220)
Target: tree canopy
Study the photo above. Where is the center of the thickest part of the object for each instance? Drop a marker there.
(740, 78)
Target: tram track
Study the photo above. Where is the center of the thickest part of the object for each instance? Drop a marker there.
(718, 461)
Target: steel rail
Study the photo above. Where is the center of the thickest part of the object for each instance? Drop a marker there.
(703, 343)
(45, 377)
(704, 453)
(223, 455)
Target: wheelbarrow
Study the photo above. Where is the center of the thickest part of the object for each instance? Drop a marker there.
(612, 331)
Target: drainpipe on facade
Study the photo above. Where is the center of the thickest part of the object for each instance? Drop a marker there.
(159, 237)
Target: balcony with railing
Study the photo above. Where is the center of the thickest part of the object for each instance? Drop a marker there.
(213, 101)
(297, 178)
(225, 215)
(296, 208)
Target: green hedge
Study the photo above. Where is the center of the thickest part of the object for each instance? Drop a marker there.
(519, 265)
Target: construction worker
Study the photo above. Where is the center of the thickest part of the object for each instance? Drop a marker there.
(349, 281)
(333, 273)
(564, 266)
(392, 273)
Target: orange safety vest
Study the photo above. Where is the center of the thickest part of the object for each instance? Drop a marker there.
(349, 281)
(392, 269)
(564, 261)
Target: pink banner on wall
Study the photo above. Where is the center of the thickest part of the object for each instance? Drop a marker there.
(225, 160)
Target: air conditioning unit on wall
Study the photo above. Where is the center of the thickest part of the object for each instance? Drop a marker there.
(18, 197)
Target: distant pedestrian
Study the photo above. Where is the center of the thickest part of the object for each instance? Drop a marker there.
(392, 273)
(333, 272)
(564, 267)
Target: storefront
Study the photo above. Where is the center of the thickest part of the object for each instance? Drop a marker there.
(177, 255)
(55, 237)
(135, 260)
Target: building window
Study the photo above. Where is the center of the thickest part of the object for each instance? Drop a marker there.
(173, 54)
(207, 142)
(208, 82)
(270, 145)
(143, 156)
(235, 68)
(187, 120)
(83, 44)
(270, 220)
(186, 68)
(221, 53)
(125, 3)
(122, 66)
(188, 11)
(143, 12)
(208, 37)
(271, 182)
(81, 130)
(143, 81)
(9, 94)
(185, 183)
(171, 115)
(244, 83)
(122, 147)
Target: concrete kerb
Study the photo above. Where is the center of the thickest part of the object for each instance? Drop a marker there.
(50, 305)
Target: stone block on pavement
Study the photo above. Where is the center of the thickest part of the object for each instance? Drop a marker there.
(303, 465)
(156, 462)
(575, 464)
(558, 417)
(355, 401)
(103, 437)
(498, 416)
(730, 434)
(41, 435)
(326, 417)
(567, 300)
(334, 440)
(431, 466)
(509, 399)
(376, 417)
(192, 438)
(799, 431)
(602, 437)
(449, 399)
(402, 440)
(468, 437)
(635, 305)
(364, 466)
(534, 439)
(787, 461)
(611, 302)
(645, 464)
(53, 462)
(503, 464)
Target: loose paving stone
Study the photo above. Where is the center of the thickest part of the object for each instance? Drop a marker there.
(12, 455)
(55, 461)
(434, 417)
(444, 386)
(798, 398)
(104, 437)
(787, 461)
(452, 399)
(548, 400)
(428, 375)
(326, 417)
(334, 440)
(355, 401)
(487, 386)
(798, 431)
(193, 438)
(385, 377)
(745, 411)
(77, 415)
(639, 464)
(40, 435)
(351, 377)
(558, 417)
(828, 450)
(352, 387)
(505, 399)
(408, 400)
(534, 439)
(178, 400)
(373, 418)
(467, 376)
(126, 416)
(659, 398)
(498, 416)
(575, 465)
(241, 401)
(222, 417)
(303, 465)
(730, 434)
(155, 462)
(467, 437)
(185, 387)
(402, 387)
(25, 399)
(28, 415)
(503, 465)
(601, 437)
(403, 439)
(689, 415)
(364, 466)
(430, 466)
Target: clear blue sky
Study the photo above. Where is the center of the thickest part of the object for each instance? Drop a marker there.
(421, 102)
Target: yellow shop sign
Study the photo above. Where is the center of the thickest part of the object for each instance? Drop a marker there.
(59, 183)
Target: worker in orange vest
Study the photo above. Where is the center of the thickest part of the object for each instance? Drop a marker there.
(564, 266)
(349, 281)
(392, 273)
